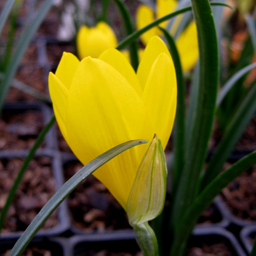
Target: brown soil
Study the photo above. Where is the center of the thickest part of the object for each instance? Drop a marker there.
(30, 56)
(248, 139)
(210, 216)
(55, 51)
(92, 206)
(108, 253)
(36, 188)
(19, 130)
(32, 76)
(240, 195)
(34, 251)
(219, 249)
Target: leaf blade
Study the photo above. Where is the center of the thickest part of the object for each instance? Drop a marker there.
(64, 191)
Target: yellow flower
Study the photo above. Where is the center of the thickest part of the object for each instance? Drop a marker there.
(93, 41)
(100, 103)
(186, 42)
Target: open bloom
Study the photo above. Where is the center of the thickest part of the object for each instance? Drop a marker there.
(100, 103)
(93, 41)
(186, 42)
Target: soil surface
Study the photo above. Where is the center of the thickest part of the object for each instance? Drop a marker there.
(92, 206)
(34, 251)
(36, 188)
(219, 249)
(240, 195)
(108, 253)
(19, 129)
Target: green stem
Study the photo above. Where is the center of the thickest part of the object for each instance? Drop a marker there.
(22, 171)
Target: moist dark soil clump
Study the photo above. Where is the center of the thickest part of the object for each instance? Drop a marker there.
(36, 188)
(19, 130)
(240, 195)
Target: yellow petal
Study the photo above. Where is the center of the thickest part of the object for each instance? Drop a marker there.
(160, 96)
(163, 7)
(187, 46)
(108, 32)
(104, 111)
(59, 95)
(126, 54)
(66, 69)
(117, 60)
(144, 16)
(155, 47)
(93, 41)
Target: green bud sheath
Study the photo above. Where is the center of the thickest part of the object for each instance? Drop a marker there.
(147, 196)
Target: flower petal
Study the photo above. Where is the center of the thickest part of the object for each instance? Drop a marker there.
(104, 111)
(66, 69)
(163, 7)
(155, 47)
(144, 16)
(187, 46)
(59, 94)
(93, 41)
(160, 96)
(117, 60)
(108, 32)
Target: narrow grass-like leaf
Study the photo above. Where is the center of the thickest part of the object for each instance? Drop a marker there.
(22, 171)
(156, 22)
(234, 131)
(5, 13)
(253, 252)
(105, 4)
(203, 200)
(204, 111)
(21, 47)
(64, 191)
(232, 81)
(179, 128)
(252, 29)
(192, 102)
(133, 47)
(31, 91)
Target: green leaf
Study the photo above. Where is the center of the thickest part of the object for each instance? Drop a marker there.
(22, 171)
(232, 81)
(179, 128)
(203, 200)
(64, 191)
(22, 45)
(31, 91)
(253, 252)
(147, 196)
(133, 48)
(252, 29)
(192, 102)
(204, 111)
(156, 22)
(230, 138)
(5, 13)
